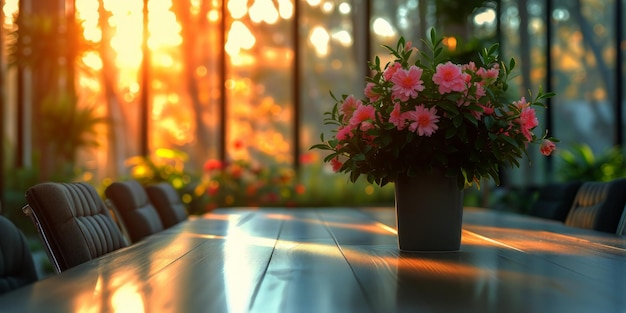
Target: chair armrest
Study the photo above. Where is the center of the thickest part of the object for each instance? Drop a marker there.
(621, 227)
(117, 218)
(28, 211)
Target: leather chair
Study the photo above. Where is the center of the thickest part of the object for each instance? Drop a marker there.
(131, 201)
(555, 200)
(17, 267)
(168, 203)
(598, 205)
(73, 223)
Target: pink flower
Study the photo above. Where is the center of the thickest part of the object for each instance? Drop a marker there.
(521, 104)
(423, 120)
(396, 117)
(469, 67)
(480, 91)
(371, 94)
(348, 107)
(388, 73)
(477, 114)
(363, 116)
(344, 132)
(336, 164)
(449, 77)
(406, 83)
(488, 109)
(489, 76)
(528, 120)
(408, 46)
(547, 147)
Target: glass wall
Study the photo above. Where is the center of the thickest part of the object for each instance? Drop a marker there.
(237, 80)
(259, 81)
(523, 29)
(332, 54)
(584, 57)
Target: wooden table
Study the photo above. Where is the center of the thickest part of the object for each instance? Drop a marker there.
(342, 260)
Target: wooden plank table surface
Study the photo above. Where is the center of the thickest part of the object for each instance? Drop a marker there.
(341, 260)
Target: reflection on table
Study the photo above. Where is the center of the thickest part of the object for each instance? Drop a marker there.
(341, 260)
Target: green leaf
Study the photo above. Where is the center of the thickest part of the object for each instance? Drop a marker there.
(493, 49)
(321, 146)
(450, 132)
(330, 157)
(510, 140)
(457, 121)
(449, 107)
(359, 157)
(471, 118)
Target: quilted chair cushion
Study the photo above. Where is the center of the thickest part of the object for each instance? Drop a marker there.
(16, 261)
(555, 200)
(75, 222)
(137, 213)
(598, 205)
(167, 203)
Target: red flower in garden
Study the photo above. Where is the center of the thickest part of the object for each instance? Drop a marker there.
(235, 170)
(300, 189)
(238, 144)
(212, 164)
(308, 158)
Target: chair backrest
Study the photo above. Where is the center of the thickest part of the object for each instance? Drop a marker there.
(137, 213)
(598, 205)
(17, 267)
(168, 203)
(555, 200)
(73, 223)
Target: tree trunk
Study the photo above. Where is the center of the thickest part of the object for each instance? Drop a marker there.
(117, 121)
(191, 30)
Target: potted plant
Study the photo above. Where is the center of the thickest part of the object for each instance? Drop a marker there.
(432, 127)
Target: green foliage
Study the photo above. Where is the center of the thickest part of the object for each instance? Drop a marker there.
(68, 127)
(581, 163)
(16, 182)
(168, 165)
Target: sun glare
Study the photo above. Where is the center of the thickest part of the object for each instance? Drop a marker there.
(285, 8)
(237, 8)
(92, 60)
(263, 11)
(319, 38)
(87, 14)
(383, 28)
(162, 25)
(239, 37)
(314, 3)
(10, 8)
(127, 19)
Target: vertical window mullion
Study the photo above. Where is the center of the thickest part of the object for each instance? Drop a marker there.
(296, 85)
